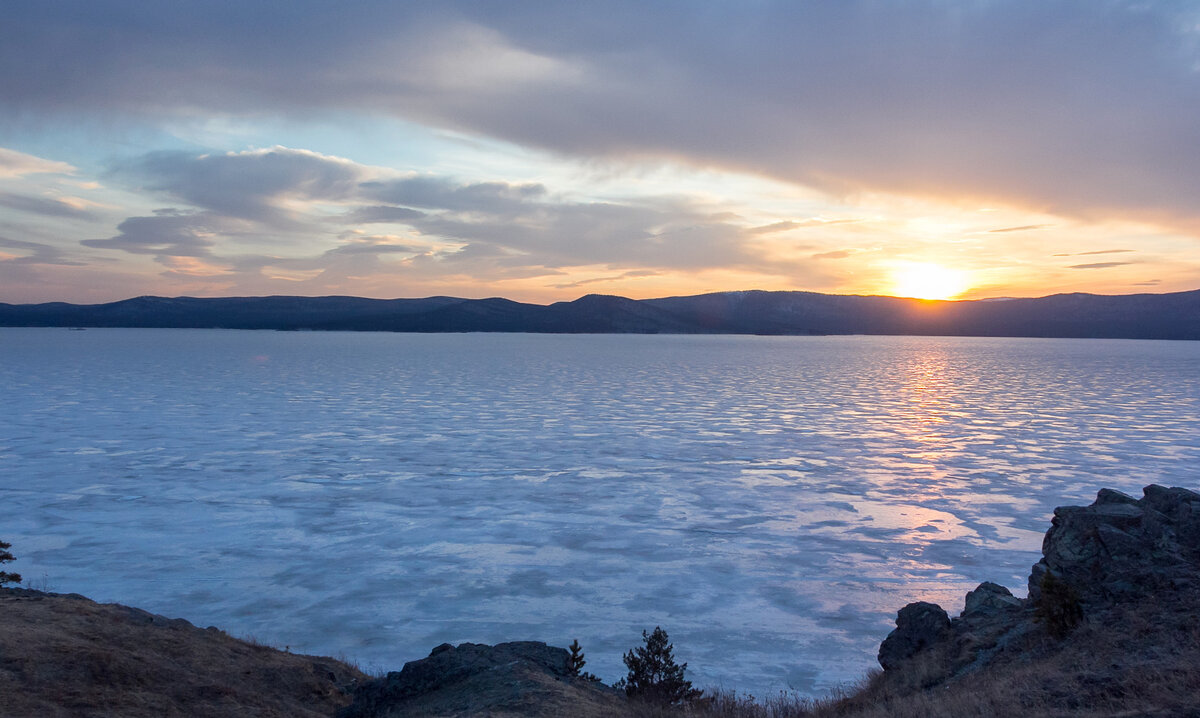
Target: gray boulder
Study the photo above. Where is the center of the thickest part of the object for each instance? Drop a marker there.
(989, 598)
(918, 626)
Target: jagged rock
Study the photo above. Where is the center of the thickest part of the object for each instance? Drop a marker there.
(1121, 547)
(989, 598)
(918, 625)
(523, 678)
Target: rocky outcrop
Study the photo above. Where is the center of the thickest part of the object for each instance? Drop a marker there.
(1115, 552)
(1121, 547)
(524, 678)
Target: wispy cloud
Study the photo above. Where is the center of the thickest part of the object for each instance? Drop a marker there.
(1022, 228)
(378, 214)
(1099, 265)
(36, 253)
(17, 164)
(1098, 251)
(788, 225)
(48, 206)
(599, 280)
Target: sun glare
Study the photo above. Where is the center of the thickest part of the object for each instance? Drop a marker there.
(928, 281)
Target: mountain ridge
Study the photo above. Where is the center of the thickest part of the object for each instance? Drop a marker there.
(1173, 315)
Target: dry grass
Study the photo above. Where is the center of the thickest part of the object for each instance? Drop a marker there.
(62, 656)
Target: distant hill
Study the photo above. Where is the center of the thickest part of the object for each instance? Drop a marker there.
(1131, 316)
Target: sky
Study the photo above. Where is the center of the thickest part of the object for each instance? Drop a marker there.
(542, 151)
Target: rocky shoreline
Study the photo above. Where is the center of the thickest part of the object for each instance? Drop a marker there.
(1109, 628)
(1117, 551)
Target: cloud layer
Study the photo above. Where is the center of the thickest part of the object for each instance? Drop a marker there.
(1083, 107)
(297, 216)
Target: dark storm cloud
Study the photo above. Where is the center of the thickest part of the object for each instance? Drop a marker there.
(1076, 106)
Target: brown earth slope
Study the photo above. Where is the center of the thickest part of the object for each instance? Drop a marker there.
(64, 655)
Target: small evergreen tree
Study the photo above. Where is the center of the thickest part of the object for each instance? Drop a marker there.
(1058, 608)
(5, 557)
(575, 662)
(653, 675)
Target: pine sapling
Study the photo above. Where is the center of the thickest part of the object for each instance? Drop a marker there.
(576, 662)
(5, 557)
(654, 676)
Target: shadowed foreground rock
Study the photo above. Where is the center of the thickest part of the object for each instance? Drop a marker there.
(523, 678)
(917, 625)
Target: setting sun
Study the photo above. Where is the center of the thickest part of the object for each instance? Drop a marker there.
(928, 281)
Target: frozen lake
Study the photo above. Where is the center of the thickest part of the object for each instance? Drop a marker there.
(771, 502)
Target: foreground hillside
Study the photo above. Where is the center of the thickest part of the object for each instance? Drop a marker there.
(64, 655)
(1133, 316)
(1109, 629)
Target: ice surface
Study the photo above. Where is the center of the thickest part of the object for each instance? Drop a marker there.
(771, 502)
